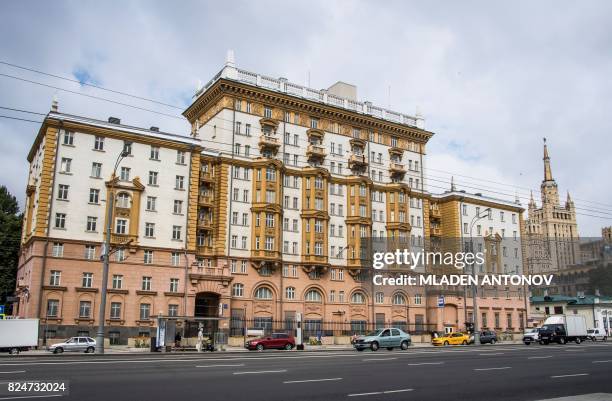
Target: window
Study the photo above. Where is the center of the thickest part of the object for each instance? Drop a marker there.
(62, 192)
(87, 281)
(270, 174)
(332, 296)
(174, 285)
(175, 259)
(238, 290)
(127, 147)
(60, 220)
(96, 170)
(148, 256)
(176, 233)
(84, 309)
(172, 310)
(99, 143)
(358, 298)
(68, 138)
(90, 252)
(145, 311)
(115, 310)
(153, 178)
(149, 230)
(154, 155)
(125, 174)
(380, 298)
(94, 195)
(117, 281)
(65, 165)
(52, 307)
(313, 296)
(121, 226)
(151, 203)
(269, 245)
(179, 182)
(178, 206)
(263, 293)
(91, 223)
(146, 283)
(267, 112)
(417, 299)
(399, 299)
(180, 157)
(55, 278)
(290, 293)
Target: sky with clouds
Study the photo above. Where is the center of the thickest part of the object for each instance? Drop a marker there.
(491, 78)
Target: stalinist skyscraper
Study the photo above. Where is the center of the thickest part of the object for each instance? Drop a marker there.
(552, 239)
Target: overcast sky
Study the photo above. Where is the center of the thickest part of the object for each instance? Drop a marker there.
(491, 78)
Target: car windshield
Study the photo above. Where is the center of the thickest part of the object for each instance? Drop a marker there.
(69, 340)
(374, 333)
(545, 328)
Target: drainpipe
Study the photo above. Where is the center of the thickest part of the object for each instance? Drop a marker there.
(49, 218)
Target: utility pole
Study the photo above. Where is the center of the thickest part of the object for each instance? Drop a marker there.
(106, 256)
(474, 287)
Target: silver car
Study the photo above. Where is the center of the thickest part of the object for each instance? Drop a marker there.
(74, 344)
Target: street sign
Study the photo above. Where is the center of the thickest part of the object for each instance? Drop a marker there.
(440, 301)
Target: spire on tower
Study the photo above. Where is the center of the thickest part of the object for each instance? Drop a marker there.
(547, 171)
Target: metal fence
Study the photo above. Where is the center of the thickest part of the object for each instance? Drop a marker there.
(319, 328)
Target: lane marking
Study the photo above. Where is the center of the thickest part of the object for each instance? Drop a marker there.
(574, 375)
(381, 392)
(609, 360)
(492, 353)
(256, 372)
(378, 359)
(219, 366)
(425, 363)
(574, 350)
(14, 371)
(540, 357)
(30, 396)
(500, 368)
(313, 380)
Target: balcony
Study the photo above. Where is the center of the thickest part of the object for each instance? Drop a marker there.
(397, 168)
(206, 176)
(122, 239)
(221, 274)
(315, 151)
(356, 160)
(436, 231)
(205, 200)
(205, 224)
(435, 213)
(204, 250)
(269, 142)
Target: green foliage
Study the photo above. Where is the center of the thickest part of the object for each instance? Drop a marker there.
(600, 279)
(10, 237)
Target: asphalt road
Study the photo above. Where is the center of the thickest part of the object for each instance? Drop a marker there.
(501, 372)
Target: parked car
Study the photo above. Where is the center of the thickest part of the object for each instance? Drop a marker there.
(596, 334)
(74, 344)
(18, 335)
(563, 328)
(531, 336)
(452, 339)
(388, 338)
(275, 340)
(488, 337)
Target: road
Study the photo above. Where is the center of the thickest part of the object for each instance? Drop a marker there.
(500, 372)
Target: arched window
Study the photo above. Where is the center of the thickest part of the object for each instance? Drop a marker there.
(399, 299)
(238, 290)
(123, 200)
(290, 293)
(358, 298)
(263, 293)
(313, 296)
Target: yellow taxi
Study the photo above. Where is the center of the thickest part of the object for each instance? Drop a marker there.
(452, 339)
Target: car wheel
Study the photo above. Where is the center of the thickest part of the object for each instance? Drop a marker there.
(578, 340)
(90, 350)
(404, 345)
(445, 343)
(58, 350)
(464, 342)
(374, 346)
(562, 341)
(527, 342)
(259, 347)
(14, 351)
(493, 341)
(288, 346)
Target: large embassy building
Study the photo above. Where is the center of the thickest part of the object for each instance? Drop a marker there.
(266, 210)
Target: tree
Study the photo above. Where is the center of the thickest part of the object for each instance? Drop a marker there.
(10, 238)
(600, 279)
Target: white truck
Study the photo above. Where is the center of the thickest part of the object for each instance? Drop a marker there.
(563, 328)
(18, 335)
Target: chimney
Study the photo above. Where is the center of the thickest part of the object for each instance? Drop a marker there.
(114, 120)
(344, 90)
(154, 129)
(54, 104)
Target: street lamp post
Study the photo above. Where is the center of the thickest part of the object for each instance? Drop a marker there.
(474, 288)
(106, 256)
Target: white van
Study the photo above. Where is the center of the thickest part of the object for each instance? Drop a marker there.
(596, 334)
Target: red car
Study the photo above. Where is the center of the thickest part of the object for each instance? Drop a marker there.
(276, 340)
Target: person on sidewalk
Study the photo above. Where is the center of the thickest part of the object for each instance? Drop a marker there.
(177, 340)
